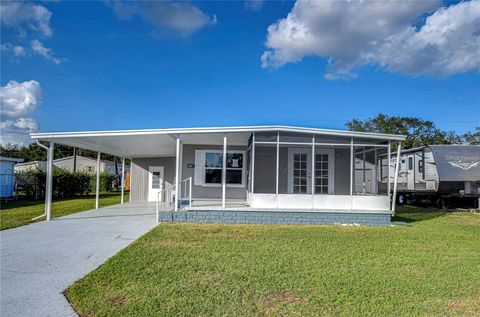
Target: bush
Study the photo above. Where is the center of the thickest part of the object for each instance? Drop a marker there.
(106, 182)
(68, 184)
(31, 183)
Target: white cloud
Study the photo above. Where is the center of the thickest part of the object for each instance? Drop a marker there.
(254, 5)
(18, 99)
(20, 15)
(181, 17)
(41, 50)
(17, 50)
(353, 33)
(17, 132)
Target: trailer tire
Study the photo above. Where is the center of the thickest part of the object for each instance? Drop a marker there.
(441, 203)
(401, 199)
(475, 202)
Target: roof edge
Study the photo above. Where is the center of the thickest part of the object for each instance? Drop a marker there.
(233, 129)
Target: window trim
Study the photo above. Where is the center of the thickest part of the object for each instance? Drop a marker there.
(243, 168)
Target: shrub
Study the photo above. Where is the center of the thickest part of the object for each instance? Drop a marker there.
(106, 182)
(31, 183)
(68, 184)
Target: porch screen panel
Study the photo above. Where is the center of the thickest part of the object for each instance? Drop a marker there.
(265, 169)
(382, 171)
(366, 171)
(295, 170)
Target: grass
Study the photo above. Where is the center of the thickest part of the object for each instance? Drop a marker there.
(20, 212)
(430, 268)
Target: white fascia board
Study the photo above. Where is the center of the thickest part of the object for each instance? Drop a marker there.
(180, 131)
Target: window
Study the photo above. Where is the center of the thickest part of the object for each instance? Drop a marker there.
(213, 168)
(420, 166)
(410, 163)
(156, 180)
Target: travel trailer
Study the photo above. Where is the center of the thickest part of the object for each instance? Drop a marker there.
(440, 173)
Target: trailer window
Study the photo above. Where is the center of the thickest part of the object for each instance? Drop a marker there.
(410, 163)
(420, 166)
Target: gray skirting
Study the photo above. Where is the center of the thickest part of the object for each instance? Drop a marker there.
(277, 217)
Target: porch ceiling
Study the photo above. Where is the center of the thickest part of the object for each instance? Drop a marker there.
(146, 145)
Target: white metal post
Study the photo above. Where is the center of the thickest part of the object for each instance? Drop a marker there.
(364, 183)
(130, 179)
(277, 168)
(49, 185)
(97, 187)
(123, 180)
(177, 172)
(352, 162)
(376, 172)
(389, 182)
(395, 178)
(190, 192)
(313, 171)
(253, 161)
(224, 170)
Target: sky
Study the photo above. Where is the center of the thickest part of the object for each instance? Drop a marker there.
(75, 66)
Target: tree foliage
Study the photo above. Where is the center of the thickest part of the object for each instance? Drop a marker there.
(418, 131)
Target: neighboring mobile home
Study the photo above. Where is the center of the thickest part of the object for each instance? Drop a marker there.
(7, 178)
(274, 174)
(82, 164)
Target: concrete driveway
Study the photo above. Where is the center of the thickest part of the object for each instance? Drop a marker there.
(39, 261)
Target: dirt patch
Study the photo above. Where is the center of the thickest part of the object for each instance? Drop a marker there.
(271, 302)
(464, 305)
(118, 301)
(213, 280)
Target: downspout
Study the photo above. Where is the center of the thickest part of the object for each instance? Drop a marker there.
(45, 210)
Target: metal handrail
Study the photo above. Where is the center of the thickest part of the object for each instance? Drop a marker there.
(171, 187)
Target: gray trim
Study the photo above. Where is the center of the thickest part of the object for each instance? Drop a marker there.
(277, 217)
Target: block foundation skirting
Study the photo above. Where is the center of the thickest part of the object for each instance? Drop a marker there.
(277, 217)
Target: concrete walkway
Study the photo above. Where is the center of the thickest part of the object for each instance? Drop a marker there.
(39, 261)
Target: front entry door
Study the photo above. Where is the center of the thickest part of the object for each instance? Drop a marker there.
(324, 163)
(299, 171)
(155, 182)
(411, 172)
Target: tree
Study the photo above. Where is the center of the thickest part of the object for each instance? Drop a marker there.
(419, 132)
(472, 137)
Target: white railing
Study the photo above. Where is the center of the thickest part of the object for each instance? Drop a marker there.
(168, 194)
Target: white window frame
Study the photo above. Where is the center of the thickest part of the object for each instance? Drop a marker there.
(243, 169)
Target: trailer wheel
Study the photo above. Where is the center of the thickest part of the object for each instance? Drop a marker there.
(441, 203)
(401, 199)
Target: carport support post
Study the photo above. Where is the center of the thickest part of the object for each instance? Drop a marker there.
(123, 180)
(389, 154)
(224, 170)
(97, 187)
(177, 172)
(395, 178)
(277, 168)
(48, 190)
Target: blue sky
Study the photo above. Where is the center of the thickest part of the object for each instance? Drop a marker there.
(109, 72)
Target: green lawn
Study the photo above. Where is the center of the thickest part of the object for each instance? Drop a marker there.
(431, 267)
(20, 212)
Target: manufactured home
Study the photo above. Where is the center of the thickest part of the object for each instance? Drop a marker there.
(70, 163)
(7, 177)
(439, 173)
(259, 174)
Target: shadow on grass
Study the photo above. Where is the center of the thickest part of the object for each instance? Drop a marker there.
(414, 214)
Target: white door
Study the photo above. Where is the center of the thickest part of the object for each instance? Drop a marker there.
(324, 175)
(410, 172)
(155, 182)
(299, 171)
